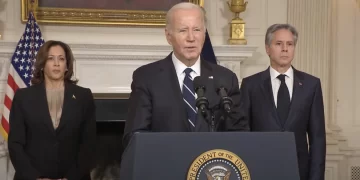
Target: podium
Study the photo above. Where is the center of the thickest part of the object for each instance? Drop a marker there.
(210, 156)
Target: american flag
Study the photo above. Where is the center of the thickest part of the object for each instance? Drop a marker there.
(21, 67)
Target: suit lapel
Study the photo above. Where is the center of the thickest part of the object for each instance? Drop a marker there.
(268, 93)
(170, 72)
(296, 96)
(68, 105)
(210, 94)
(44, 108)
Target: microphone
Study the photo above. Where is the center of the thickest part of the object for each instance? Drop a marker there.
(202, 103)
(225, 100)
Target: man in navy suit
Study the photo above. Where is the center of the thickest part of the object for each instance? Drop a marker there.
(163, 96)
(282, 98)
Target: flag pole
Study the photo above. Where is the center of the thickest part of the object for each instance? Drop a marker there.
(32, 5)
(32, 12)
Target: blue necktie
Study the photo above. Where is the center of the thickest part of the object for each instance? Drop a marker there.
(189, 97)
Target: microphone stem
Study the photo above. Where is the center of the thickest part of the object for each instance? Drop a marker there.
(212, 129)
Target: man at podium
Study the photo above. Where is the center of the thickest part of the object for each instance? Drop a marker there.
(282, 98)
(163, 97)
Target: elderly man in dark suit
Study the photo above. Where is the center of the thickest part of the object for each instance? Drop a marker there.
(282, 98)
(163, 96)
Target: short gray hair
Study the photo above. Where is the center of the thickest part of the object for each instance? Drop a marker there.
(184, 5)
(275, 27)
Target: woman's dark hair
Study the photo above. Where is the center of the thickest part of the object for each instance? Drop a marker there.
(42, 56)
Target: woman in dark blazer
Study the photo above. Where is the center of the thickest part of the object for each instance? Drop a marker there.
(52, 123)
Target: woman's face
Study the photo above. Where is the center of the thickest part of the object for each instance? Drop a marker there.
(55, 66)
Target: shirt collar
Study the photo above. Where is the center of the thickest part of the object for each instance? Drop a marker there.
(274, 74)
(180, 66)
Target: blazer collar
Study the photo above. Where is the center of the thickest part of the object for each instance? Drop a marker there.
(67, 103)
(266, 89)
(205, 70)
(296, 97)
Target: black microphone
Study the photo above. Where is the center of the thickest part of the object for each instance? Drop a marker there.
(225, 100)
(202, 103)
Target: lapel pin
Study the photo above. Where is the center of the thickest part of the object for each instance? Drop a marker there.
(211, 77)
(73, 97)
(300, 84)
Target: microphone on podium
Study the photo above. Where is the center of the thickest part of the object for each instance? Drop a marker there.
(202, 102)
(225, 101)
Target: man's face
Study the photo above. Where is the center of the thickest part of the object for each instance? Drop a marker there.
(186, 34)
(281, 49)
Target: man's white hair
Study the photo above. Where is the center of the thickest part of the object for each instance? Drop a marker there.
(184, 6)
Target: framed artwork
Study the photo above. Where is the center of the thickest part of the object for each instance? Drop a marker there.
(101, 12)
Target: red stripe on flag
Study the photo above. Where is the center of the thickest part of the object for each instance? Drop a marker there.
(7, 102)
(5, 124)
(12, 83)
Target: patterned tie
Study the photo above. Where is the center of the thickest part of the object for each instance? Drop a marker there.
(283, 100)
(189, 97)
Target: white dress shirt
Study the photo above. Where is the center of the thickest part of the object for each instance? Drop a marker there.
(275, 82)
(180, 67)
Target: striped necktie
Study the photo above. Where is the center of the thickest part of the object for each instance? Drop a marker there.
(189, 97)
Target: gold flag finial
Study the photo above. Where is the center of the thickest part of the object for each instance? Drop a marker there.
(33, 6)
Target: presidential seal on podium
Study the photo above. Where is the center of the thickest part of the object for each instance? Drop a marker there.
(218, 164)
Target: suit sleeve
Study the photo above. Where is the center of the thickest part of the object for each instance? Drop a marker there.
(245, 101)
(140, 107)
(87, 145)
(17, 140)
(237, 120)
(317, 138)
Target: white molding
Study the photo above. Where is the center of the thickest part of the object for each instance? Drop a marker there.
(107, 68)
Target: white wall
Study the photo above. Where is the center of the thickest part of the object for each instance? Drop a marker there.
(347, 71)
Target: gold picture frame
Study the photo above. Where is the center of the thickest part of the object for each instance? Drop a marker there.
(86, 16)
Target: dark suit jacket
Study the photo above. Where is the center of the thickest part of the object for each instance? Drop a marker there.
(38, 150)
(156, 101)
(306, 117)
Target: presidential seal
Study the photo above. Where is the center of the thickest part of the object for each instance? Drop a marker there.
(218, 164)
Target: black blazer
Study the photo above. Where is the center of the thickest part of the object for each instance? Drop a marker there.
(38, 150)
(156, 101)
(306, 117)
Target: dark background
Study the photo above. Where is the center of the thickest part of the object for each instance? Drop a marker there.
(110, 116)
